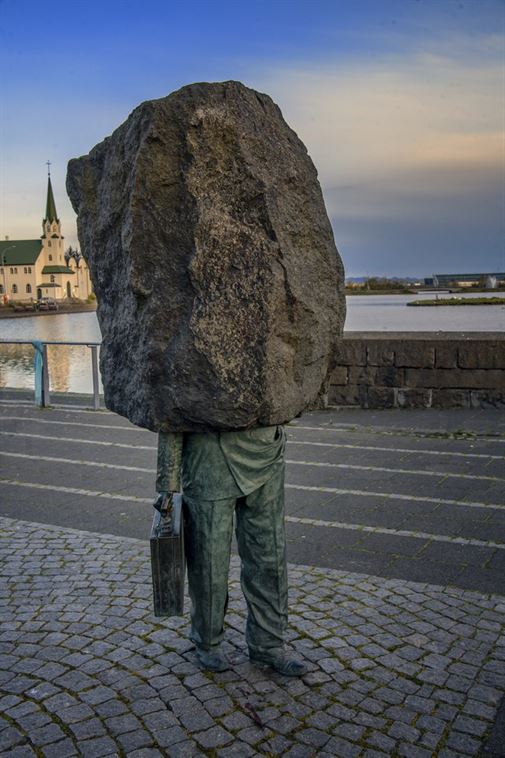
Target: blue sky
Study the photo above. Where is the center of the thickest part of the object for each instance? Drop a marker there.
(400, 103)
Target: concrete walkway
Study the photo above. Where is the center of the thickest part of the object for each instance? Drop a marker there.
(400, 518)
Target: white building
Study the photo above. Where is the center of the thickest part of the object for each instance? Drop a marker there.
(35, 268)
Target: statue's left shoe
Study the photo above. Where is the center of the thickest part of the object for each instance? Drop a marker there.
(279, 661)
(212, 660)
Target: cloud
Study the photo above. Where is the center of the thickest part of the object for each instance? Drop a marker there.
(405, 140)
(361, 119)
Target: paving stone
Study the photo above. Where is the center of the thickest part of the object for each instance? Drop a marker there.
(46, 735)
(320, 720)
(463, 742)
(123, 724)
(401, 731)
(313, 737)
(10, 737)
(278, 745)
(253, 734)
(342, 748)
(237, 720)
(76, 713)
(219, 706)
(134, 740)
(412, 751)
(299, 751)
(33, 721)
(284, 725)
(98, 747)
(23, 751)
(431, 723)
(381, 741)
(475, 708)
(169, 737)
(83, 730)
(430, 740)
(111, 708)
(62, 749)
(213, 738)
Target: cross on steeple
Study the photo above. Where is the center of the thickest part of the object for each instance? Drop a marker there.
(48, 168)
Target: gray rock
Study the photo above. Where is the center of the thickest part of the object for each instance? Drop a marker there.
(219, 286)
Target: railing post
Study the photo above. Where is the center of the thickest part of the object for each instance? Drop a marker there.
(94, 369)
(41, 374)
(45, 377)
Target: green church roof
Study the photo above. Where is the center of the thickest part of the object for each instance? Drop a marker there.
(50, 204)
(19, 252)
(57, 270)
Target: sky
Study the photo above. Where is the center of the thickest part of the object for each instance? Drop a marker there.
(401, 104)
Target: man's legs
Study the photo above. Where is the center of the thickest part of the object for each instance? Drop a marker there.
(208, 533)
(262, 547)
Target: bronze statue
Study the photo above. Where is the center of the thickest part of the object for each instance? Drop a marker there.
(226, 475)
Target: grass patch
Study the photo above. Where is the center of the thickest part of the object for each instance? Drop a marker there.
(461, 301)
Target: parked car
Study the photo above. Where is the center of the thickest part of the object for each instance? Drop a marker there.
(47, 304)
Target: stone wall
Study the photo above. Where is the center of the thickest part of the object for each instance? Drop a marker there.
(420, 370)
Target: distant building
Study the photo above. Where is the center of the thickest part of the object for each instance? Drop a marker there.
(36, 268)
(466, 280)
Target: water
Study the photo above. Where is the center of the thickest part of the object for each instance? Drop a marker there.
(70, 367)
(389, 313)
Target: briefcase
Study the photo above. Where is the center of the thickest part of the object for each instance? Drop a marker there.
(168, 563)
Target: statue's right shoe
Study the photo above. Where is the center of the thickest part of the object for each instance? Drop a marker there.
(279, 661)
(212, 660)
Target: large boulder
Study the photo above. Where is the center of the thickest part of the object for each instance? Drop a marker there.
(219, 286)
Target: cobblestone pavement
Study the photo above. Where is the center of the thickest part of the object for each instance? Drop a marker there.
(397, 668)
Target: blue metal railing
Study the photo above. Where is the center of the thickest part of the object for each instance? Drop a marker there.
(41, 367)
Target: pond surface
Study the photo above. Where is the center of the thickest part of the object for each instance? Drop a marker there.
(70, 367)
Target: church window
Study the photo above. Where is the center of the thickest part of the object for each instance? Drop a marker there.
(25, 270)
(14, 289)
(49, 243)
(15, 270)
(52, 279)
(29, 269)
(12, 270)
(50, 257)
(28, 288)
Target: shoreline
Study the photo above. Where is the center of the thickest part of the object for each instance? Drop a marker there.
(10, 313)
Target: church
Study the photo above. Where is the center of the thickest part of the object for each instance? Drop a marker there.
(36, 268)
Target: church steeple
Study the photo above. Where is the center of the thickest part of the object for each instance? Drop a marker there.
(51, 214)
(51, 226)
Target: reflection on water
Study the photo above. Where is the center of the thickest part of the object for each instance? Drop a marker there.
(70, 367)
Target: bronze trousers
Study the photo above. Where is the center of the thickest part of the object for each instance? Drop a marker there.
(260, 533)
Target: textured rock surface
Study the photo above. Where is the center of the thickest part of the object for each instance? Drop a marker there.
(219, 286)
